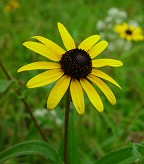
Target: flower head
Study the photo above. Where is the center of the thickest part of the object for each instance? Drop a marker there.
(74, 68)
(129, 32)
(12, 5)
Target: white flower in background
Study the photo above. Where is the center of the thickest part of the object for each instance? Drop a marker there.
(123, 14)
(103, 35)
(59, 121)
(53, 113)
(108, 19)
(118, 20)
(106, 26)
(133, 23)
(43, 114)
(100, 25)
(40, 112)
(113, 11)
(111, 47)
(116, 15)
(128, 45)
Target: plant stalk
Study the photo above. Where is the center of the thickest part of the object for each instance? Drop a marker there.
(66, 126)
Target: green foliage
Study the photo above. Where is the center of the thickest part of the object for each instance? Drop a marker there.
(132, 154)
(121, 156)
(31, 147)
(73, 140)
(138, 151)
(4, 85)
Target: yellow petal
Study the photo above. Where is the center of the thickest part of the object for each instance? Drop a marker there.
(98, 48)
(104, 88)
(125, 26)
(92, 95)
(42, 50)
(88, 43)
(45, 78)
(106, 62)
(50, 44)
(103, 75)
(66, 37)
(39, 65)
(77, 96)
(58, 91)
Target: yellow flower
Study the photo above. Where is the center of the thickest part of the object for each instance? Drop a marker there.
(12, 5)
(129, 32)
(75, 68)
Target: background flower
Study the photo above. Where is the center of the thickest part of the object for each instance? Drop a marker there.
(130, 32)
(12, 5)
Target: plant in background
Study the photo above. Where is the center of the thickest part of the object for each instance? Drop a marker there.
(113, 24)
(12, 5)
(114, 16)
(43, 114)
(129, 31)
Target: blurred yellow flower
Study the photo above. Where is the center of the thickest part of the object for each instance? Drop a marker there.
(129, 32)
(12, 5)
(74, 68)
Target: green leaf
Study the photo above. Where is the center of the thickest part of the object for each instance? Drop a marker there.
(4, 84)
(121, 156)
(138, 151)
(31, 147)
(73, 144)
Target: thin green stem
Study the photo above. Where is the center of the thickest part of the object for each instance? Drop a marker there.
(66, 126)
(27, 107)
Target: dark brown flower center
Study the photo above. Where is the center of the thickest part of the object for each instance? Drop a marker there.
(76, 63)
(128, 32)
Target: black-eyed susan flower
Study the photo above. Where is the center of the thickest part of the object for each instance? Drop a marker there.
(74, 68)
(12, 5)
(129, 32)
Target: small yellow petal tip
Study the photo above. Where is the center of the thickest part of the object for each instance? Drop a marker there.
(106, 43)
(101, 110)
(35, 37)
(27, 85)
(121, 63)
(49, 108)
(81, 113)
(113, 103)
(60, 25)
(24, 44)
(19, 70)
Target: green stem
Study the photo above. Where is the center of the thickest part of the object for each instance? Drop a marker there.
(27, 107)
(66, 126)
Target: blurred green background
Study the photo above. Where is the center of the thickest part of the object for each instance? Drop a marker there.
(97, 133)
